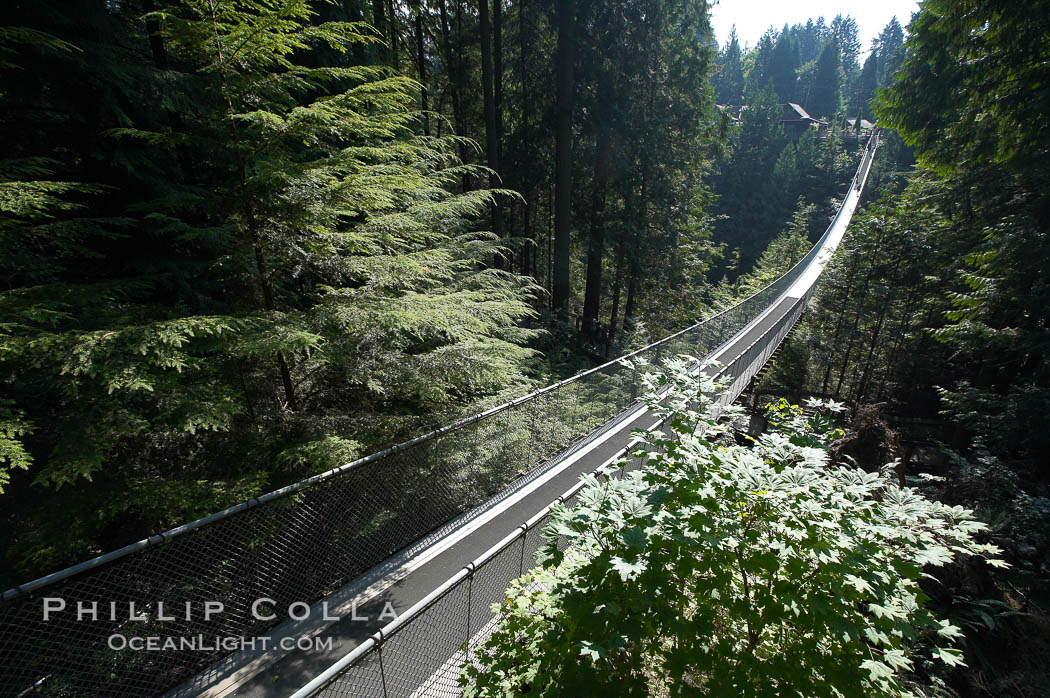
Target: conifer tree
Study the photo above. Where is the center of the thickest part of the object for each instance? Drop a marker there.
(760, 74)
(314, 285)
(750, 195)
(729, 80)
(783, 252)
(890, 44)
(825, 98)
(783, 67)
(991, 148)
(866, 85)
(846, 34)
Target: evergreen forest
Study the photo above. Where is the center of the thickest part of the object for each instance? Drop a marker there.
(245, 242)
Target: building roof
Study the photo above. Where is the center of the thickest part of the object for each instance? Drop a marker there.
(864, 124)
(793, 113)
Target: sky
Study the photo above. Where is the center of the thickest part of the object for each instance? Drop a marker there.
(753, 17)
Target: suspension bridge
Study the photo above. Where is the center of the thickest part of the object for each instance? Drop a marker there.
(375, 578)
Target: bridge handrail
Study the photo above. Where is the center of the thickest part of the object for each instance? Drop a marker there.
(442, 672)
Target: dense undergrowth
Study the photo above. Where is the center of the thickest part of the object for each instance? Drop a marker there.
(729, 569)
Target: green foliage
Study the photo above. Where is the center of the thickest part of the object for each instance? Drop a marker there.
(729, 80)
(990, 148)
(940, 98)
(1001, 613)
(759, 76)
(320, 455)
(643, 77)
(890, 48)
(760, 182)
(867, 336)
(721, 569)
(231, 265)
(749, 198)
(989, 314)
(785, 251)
(844, 29)
(12, 453)
(825, 98)
(14, 38)
(783, 64)
(817, 429)
(865, 90)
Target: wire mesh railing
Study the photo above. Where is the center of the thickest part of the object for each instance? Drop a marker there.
(301, 543)
(421, 653)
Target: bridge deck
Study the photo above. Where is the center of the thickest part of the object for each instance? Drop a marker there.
(414, 573)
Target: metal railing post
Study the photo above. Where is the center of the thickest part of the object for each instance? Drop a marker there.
(470, 601)
(521, 560)
(382, 670)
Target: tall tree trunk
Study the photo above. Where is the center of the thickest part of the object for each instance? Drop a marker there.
(455, 84)
(357, 50)
(379, 22)
(497, 108)
(497, 76)
(845, 292)
(865, 378)
(252, 230)
(637, 234)
(550, 246)
(531, 234)
(491, 140)
(270, 304)
(902, 331)
(596, 235)
(439, 131)
(849, 351)
(861, 301)
(392, 21)
(884, 309)
(525, 179)
(160, 61)
(641, 226)
(421, 64)
(621, 253)
(840, 324)
(156, 39)
(633, 280)
(565, 79)
(622, 241)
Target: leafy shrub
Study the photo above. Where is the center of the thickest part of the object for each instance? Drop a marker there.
(726, 570)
